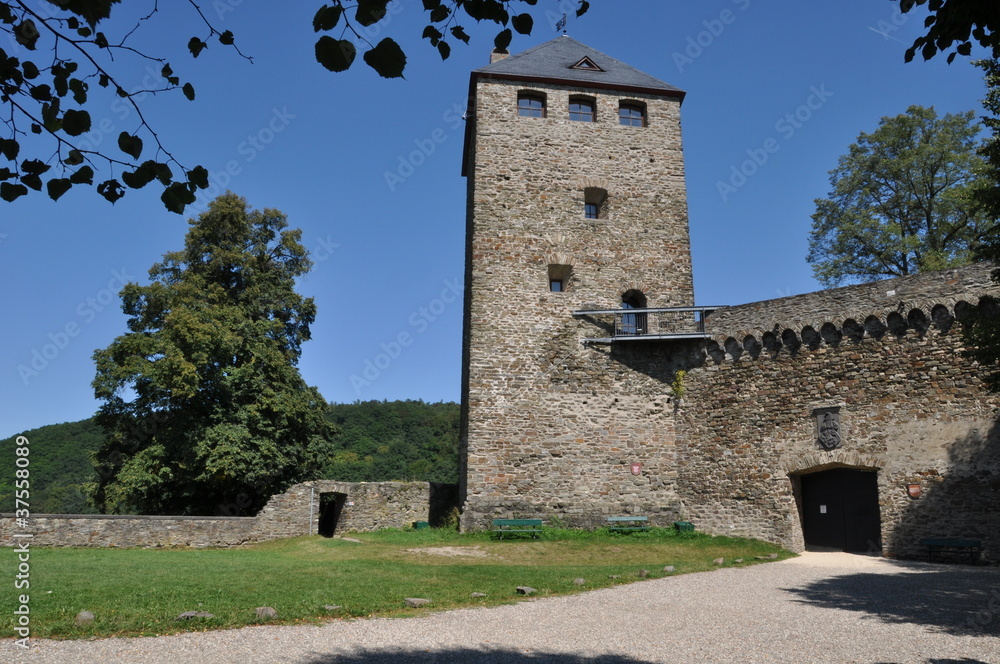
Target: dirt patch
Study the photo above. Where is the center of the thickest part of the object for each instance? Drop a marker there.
(451, 551)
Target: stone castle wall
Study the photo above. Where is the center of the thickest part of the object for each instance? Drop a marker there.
(536, 440)
(912, 408)
(369, 506)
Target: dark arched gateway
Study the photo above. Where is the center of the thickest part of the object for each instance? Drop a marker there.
(840, 510)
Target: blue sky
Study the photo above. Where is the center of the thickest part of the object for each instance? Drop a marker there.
(285, 133)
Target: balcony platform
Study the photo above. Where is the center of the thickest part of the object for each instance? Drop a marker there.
(661, 324)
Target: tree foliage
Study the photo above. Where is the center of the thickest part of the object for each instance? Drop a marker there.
(60, 468)
(58, 50)
(204, 407)
(956, 23)
(902, 201)
(982, 330)
(395, 440)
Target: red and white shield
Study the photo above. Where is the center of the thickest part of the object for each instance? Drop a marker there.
(636, 468)
(913, 490)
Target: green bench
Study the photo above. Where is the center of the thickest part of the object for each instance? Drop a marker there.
(953, 544)
(627, 523)
(502, 527)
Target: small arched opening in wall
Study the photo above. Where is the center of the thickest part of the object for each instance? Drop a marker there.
(838, 507)
(331, 506)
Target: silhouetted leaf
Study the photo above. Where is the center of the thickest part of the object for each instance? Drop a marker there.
(226, 38)
(34, 166)
(444, 50)
(29, 69)
(111, 190)
(459, 33)
(370, 12)
(79, 89)
(9, 148)
(502, 40)
(41, 92)
(198, 176)
(584, 6)
(84, 175)
(335, 54)
(75, 123)
(11, 192)
(130, 145)
(74, 158)
(387, 58)
(188, 91)
(177, 196)
(138, 178)
(26, 34)
(32, 181)
(58, 187)
(327, 18)
(196, 46)
(523, 23)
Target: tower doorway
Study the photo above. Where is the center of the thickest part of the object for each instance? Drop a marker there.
(840, 510)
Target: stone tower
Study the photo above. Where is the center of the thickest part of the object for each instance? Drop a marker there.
(576, 201)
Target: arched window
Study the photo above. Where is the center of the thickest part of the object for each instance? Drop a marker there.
(581, 109)
(633, 323)
(531, 104)
(632, 114)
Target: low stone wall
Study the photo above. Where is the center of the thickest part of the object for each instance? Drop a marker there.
(367, 506)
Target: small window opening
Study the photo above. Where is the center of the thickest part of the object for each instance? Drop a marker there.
(559, 276)
(531, 105)
(632, 114)
(581, 109)
(594, 199)
(586, 63)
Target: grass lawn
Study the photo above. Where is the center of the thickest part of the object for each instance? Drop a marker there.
(141, 592)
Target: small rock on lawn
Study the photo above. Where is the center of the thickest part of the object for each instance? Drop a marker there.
(332, 607)
(478, 595)
(643, 573)
(719, 561)
(265, 612)
(416, 602)
(579, 582)
(188, 615)
(526, 590)
(669, 568)
(84, 617)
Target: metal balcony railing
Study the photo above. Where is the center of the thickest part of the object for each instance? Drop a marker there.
(649, 324)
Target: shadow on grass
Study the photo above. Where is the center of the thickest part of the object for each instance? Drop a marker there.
(955, 600)
(467, 655)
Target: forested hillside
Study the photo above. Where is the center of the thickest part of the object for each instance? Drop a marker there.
(395, 440)
(58, 467)
(375, 441)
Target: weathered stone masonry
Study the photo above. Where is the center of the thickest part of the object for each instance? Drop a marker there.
(368, 506)
(553, 426)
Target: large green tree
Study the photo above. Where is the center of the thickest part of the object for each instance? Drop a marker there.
(203, 404)
(982, 330)
(60, 52)
(902, 200)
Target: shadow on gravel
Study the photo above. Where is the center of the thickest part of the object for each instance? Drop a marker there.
(961, 601)
(466, 655)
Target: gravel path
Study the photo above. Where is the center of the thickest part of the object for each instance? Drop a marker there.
(821, 607)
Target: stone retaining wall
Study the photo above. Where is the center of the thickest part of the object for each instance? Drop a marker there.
(368, 506)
